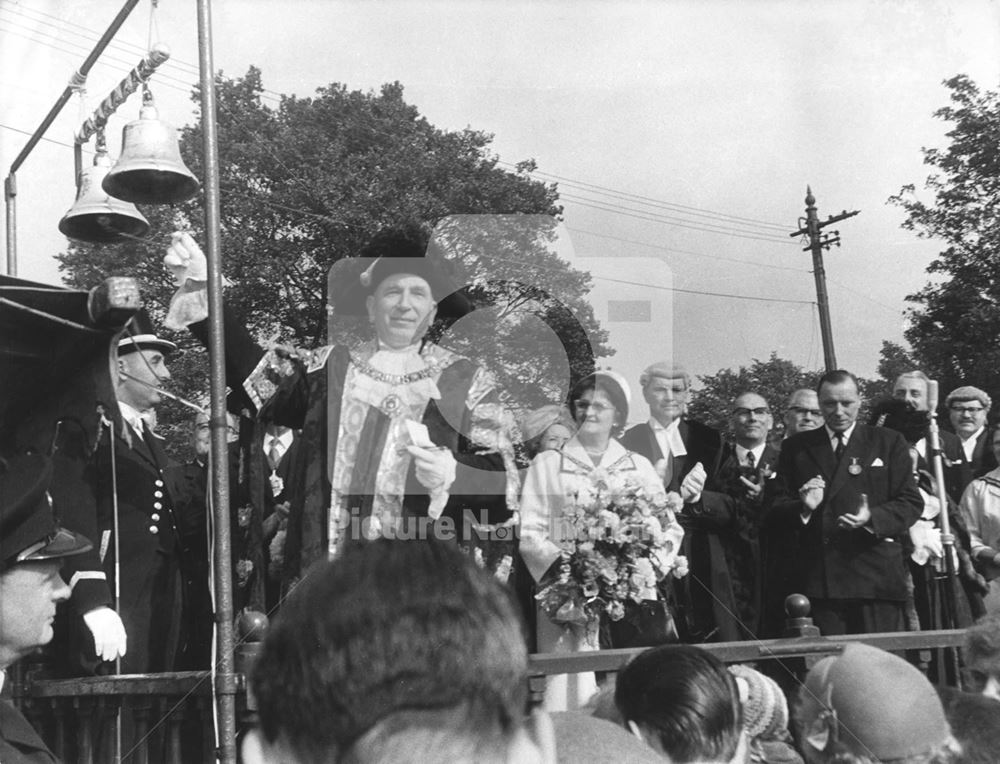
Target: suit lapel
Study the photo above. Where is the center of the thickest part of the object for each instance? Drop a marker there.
(821, 453)
(856, 449)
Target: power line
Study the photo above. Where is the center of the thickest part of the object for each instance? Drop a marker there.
(658, 219)
(653, 201)
(672, 250)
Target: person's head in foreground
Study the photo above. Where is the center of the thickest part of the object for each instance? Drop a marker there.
(32, 546)
(683, 703)
(867, 706)
(981, 653)
(396, 651)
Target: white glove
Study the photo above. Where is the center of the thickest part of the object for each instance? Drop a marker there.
(186, 261)
(435, 470)
(926, 542)
(693, 484)
(435, 467)
(108, 631)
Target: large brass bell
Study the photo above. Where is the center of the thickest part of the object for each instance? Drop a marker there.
(150, 169)
(97, 217)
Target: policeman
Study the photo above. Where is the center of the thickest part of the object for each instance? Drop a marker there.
(32, 548)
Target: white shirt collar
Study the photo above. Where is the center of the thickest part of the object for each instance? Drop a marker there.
(282, 441)
(969, 443)
(757, 451)
(131, 415)
(669, 437)
(833, 436)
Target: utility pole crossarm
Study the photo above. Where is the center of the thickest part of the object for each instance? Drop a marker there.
(812, 228)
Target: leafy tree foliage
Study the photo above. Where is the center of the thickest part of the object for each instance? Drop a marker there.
(954, 327)
(774, 379)
(305, 183)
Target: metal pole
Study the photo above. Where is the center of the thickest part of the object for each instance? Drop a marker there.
(225, 683)
(79, 77)
(822, 300)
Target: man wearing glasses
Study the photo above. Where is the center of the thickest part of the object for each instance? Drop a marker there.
(802, 413)
(968, 408)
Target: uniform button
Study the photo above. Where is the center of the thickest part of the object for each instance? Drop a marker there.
(158, 494)
(153, 529)
(158, 484)
(157, 505)
(155, 516)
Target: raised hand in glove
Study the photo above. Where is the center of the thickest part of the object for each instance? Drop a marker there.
(108, 632)
(693, 484)
(187, 263)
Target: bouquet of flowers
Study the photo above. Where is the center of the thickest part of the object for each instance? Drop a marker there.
(616, 546)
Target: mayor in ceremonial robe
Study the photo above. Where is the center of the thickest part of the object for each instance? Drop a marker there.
(399, 435)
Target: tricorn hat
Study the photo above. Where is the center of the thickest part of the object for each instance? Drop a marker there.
(400, 250)
(139, 335)
(28, 529)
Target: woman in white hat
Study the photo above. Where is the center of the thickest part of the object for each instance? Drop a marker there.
(558, 480)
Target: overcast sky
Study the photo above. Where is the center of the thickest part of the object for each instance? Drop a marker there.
(682, 134)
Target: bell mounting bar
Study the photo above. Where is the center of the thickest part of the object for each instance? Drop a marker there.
(142, 72)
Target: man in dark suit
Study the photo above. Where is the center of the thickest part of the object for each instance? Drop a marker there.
(745, 477)
(32, 548)
(687, 453)
(850, 490)
(968, 408)
(127, 477)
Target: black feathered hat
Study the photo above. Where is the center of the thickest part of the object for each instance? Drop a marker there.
(400, 250)
(896, 415)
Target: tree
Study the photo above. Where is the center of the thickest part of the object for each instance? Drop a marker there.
(893, 360)
(304, 184)
(954, 327)
(774, 379)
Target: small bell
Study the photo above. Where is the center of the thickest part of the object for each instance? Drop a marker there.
(150, 169)
(98, 217)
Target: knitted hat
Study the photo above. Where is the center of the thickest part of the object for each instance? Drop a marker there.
(765, 709)
(882, 706)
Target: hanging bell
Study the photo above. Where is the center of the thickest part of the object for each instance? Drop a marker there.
(98, 217)
(150, 169)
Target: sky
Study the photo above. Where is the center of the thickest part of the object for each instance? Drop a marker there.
(682, 134)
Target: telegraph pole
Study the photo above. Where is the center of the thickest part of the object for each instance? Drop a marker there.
(811, 227)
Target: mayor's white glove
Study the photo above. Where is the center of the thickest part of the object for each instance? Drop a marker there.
(184, 259)
(693, 484)
(108, 631)
(187, 263)
(435, 467)
(435, 470)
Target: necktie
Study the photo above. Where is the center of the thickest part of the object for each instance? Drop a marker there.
(274, 454)
(839, 450)
(751, 461)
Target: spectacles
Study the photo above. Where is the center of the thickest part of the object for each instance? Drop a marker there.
(597, 407)
(744, 413)
(967, 409)
(803, 411)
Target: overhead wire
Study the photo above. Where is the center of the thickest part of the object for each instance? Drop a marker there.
(186, 86)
